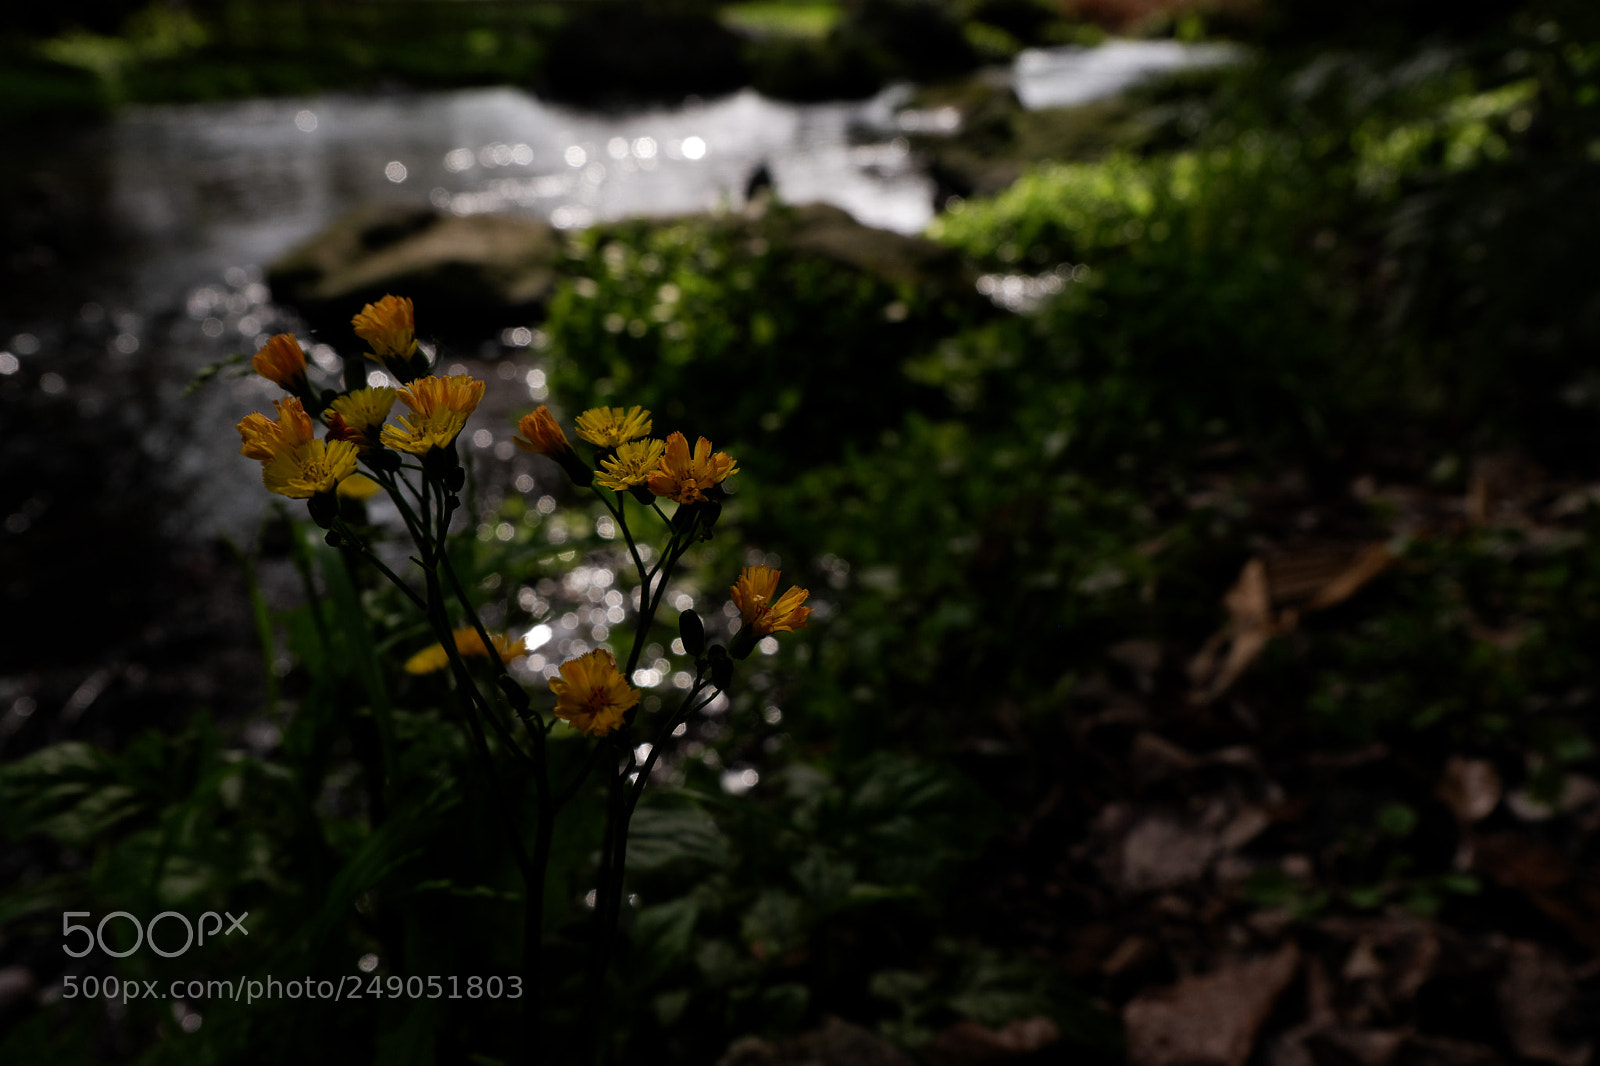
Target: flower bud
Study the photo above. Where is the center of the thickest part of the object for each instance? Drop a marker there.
(282, 362)
(744, 642)
(710, 511)
(692, 632)
(384, 459)
(442, 464)
(324, 508)
(721, 666)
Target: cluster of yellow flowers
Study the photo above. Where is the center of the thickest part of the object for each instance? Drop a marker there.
(592, 694)
(296, 464)
(629, 457)
(293, 462)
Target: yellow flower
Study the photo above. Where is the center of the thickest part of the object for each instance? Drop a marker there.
(311, 468)
(468, 644)
(591, 693)
(543, 434)
(363, 410)
(685, 478)
(389, 327)
(359, 487)
(753, 596)
(607, 427)
(264, 439)
(282, 362)
(439, 410)
(634, 463)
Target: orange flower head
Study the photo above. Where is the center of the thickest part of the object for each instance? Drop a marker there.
(439, 410)
(282, 362)
(541, 433)
(389, 327)
(633, 464)
(753, 595)
(264, 438)
(468, 645)
(607, 427)
(591, 693)
(685, 477)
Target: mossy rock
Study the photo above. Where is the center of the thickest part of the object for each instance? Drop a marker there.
(460, 268)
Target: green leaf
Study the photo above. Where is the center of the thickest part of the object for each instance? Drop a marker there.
(785, 1004)
(903, 987)
(67, 791)
(1397, 820)
(448, 887)
(669, 1005)
(776, 922)
(50, 894)
(826, 879)
(662, 935)
(660, 836)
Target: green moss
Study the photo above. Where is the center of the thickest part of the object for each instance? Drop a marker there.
(774, 18)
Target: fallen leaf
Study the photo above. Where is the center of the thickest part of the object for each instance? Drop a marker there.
(1371, 561)
(1547, 878)
(1398, 955)
(15, 983)
(1418, 1050)
(1268, 599)
(1250, 626)
(1470, 788)
(968, 1041)
(1210, 1020)
(1153, 758)
(837, 1043)
(1366, 1047)
(1162, 852)
(1536, 989)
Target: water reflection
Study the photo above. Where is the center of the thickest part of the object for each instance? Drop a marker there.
(1064, 77)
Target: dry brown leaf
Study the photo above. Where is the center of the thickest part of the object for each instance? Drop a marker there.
(837, 1043)
(1548, 879)
(1536, 989)
(1210, 1020)
(1480, 500)
(1249, 602)
(1250, 626)
(1154, 758)
(1364, 1047)
(1259, 607)
(1371, 561)
(16, 982)
(967, 1041)
(1470, 788)
(1162, 852)
(1420, 1050)
(1299, 575)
